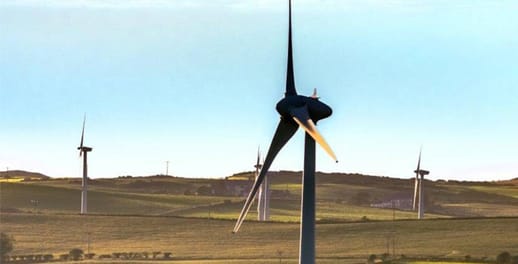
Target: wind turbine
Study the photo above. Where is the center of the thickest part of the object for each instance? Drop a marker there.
(263, 198)
(83, 151)
(418, 188)
(296, 110)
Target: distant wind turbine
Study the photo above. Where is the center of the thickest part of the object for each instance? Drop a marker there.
(83, 151)
(296, 110)
(263, 198)
(418, 189)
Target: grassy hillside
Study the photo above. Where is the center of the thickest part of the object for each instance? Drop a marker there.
(193, 218)
(212, 239)
(18, 175)
(340, 197)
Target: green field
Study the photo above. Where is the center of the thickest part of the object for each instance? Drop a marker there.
(171, 214)
(204, 239)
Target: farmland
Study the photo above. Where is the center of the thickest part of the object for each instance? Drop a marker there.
(193, 218)
(202, 239)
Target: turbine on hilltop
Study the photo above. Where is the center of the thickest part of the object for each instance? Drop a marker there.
(263, 198)
(83, 151)
(418, 189)
(296, 110)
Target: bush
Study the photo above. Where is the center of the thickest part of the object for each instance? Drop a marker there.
(105, 256)
(75, 254)
(371, 259)
(6, 244)
(503, 258)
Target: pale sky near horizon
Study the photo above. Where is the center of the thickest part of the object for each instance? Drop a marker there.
(195, 82)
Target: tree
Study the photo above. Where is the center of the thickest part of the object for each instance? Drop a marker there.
(48, 257)
(503, 258)
(155, 254)
(371, 259)
(76, 253)
(6, 244)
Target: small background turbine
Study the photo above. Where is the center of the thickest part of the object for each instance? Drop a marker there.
(83, 151)
(418, 188)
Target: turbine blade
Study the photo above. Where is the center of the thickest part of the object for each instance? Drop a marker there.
(301, 116)
(416, 185)
(82, 137)
(257, 163)
(284, 132)
(258, 158)
(419, 161)
(290, 76)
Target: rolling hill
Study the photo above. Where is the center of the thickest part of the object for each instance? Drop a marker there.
(340, 197)
(193, 218)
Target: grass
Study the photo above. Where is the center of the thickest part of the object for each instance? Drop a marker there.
(66, 200)
(153, 215)
(11, 180)
(511, 191)
(201, 239)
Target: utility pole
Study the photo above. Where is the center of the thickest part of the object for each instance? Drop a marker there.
(167, 168)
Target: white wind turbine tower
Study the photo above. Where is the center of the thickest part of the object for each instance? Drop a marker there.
(83, 151)
(418, 189)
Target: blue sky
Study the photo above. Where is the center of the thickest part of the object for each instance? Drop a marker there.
(196, 83)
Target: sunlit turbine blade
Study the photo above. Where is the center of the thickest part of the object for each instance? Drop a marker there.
(284, 132)
(301, 116)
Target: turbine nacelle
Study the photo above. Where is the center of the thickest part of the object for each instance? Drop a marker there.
(84, 149)
(316, 109)
(421, 172)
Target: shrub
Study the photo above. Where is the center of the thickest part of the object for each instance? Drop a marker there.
(75, 253)
(503, 258)
(105, 256)
(48, 257)
(6, 244)
(371, 259)
(167, 255)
